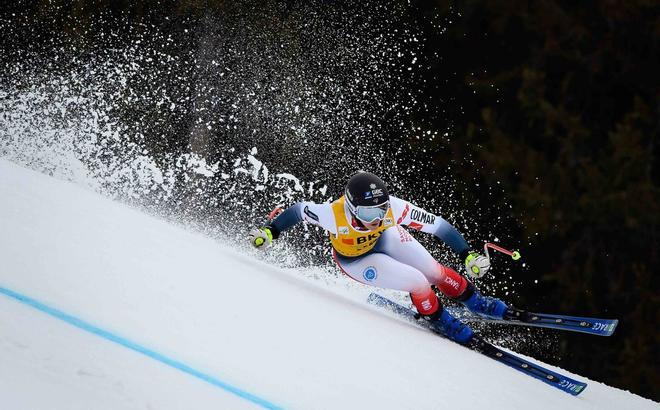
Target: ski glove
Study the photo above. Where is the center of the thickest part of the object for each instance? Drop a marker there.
(261, 237)
(476, 265)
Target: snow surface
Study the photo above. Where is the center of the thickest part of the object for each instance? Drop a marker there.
(277, 334)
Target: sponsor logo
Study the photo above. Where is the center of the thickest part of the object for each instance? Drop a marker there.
(368, 238)
(404, 214)
(608, 327)
(372, 186)
(404, 236)
(565, 384)
(343, 230)
(416, 226)
(451, 282)
(370, 274)
(311, 214)
(426, 304)
(423, 217)
(388, 221)
(374, 193)
(362, 241)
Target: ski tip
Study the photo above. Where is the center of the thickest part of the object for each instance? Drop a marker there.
(605, 328)
(573, 388)
(563, 383)
(612, 328)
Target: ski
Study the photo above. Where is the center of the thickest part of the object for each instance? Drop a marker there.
(589, 325)
(484, 347)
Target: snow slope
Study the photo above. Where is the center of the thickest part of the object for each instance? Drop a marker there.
(268, 332)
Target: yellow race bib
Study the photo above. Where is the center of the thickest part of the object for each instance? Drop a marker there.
(350, 242)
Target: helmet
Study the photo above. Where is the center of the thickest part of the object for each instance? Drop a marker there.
(367, 197)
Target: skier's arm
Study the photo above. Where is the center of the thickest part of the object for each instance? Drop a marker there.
(316, 214)
(287, 219)
(448, 234)
(417, 218)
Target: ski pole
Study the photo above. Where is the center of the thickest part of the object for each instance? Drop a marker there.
(515, 255)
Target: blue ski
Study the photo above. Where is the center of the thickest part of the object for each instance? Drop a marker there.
(482, 346)
(590, 325)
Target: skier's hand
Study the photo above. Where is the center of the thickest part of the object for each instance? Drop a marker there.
(476, 265)
(261, 237)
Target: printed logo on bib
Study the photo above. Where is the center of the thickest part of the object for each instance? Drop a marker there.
(368, 238)
(360, 240)
(387, 221)
(423, 217)
(370, 274)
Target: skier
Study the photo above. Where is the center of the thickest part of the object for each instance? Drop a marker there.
(371, 246)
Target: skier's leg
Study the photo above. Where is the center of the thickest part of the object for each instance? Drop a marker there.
(378, 269)
(397, 243)
(381, 270)
(400, 245)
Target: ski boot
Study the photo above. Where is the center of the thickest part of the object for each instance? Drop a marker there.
(494, 308)
(444, 323)
(486, 306)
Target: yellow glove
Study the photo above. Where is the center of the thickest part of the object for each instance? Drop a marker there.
(261, 237)
(476, 265)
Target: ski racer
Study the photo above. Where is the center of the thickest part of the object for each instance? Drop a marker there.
(371, 246)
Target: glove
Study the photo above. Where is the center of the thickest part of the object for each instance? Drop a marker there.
(261, 237)
(476, 265)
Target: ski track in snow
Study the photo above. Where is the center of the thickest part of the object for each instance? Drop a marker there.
(277, 334)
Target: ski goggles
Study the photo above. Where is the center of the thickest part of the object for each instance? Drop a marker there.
(369, 214)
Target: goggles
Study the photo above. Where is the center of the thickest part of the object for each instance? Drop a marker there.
(369, 214)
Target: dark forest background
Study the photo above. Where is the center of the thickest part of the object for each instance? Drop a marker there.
(551, 113)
